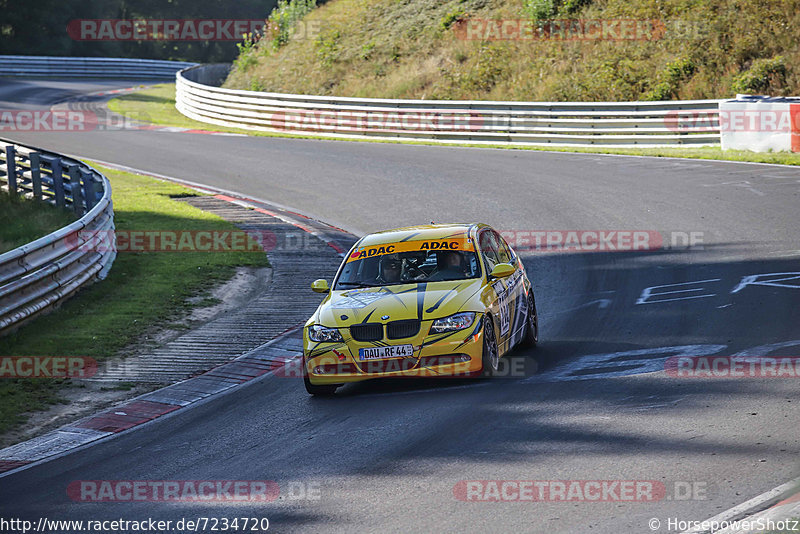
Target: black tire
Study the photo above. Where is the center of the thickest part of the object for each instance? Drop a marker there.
(531, 337)
(491, 357)
(318, 390)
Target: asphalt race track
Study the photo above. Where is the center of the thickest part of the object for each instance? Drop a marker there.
(386, 457)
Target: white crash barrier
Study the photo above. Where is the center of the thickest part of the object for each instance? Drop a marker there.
(760, 124)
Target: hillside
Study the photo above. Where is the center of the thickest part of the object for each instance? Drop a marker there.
(680, 49)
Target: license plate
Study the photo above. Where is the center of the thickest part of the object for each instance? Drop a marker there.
(382, 353)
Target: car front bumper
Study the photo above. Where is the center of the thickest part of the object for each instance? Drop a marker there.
(454, 354)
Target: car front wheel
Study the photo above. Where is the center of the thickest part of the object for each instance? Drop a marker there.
(318, 390)
(531, 337)
(491, 355)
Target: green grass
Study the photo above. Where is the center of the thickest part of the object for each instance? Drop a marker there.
(142, 291)
(416, 49)
(781, 158)
(23, 221)
(18, 397)
(150, 98)
(156, 105)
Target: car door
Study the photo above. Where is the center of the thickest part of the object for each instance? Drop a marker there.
(499, 306)
(515, 292)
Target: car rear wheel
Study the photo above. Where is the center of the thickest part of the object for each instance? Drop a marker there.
(531, 337)
(491, 356)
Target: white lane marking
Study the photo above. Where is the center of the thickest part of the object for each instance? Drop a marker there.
(705, 163)
(787, 253)
(600, 303)
(741, 183)
(605, 364)
(577, 296)
(787, 174)
(748, 507)
(753, 280)
(763, 350)
(65, 438)
(648, 292)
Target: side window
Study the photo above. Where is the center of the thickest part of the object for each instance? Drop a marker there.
(504, 254)
(488, 244)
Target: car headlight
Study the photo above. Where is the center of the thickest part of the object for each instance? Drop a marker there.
(322, 334)
(459, 321)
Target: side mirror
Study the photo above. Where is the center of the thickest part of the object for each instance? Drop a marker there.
(501, 270)
(320, 286)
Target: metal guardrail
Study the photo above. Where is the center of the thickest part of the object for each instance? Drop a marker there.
(89, 67)
(39, 276)
(610, 124)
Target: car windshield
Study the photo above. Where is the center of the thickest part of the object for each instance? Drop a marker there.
(408, 267)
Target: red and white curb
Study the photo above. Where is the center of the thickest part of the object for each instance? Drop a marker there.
(260, 361)
(249, 204)
(334, 236)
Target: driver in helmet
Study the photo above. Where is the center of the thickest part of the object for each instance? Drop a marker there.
(390, 268)
(450, 265)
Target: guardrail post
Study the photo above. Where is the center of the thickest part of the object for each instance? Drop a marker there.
(11, 170)
(39, 276)
(36, 175)
(58, 182)
(75, 188)
(88, 189)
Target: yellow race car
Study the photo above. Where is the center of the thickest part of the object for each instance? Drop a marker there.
(423, 301)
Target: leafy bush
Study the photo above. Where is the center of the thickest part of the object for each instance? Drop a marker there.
(256, 85)
(285, 17)
(541, 9)
(451, 18)
(327, 47)
(670, 79)
(366, 50)
(548, 9)
(247, 47)
(570, 7)
(762, 76)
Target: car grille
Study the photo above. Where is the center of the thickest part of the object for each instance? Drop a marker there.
(367, 331)
(401, 329)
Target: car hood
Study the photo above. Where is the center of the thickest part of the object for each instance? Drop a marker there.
(407, 301)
